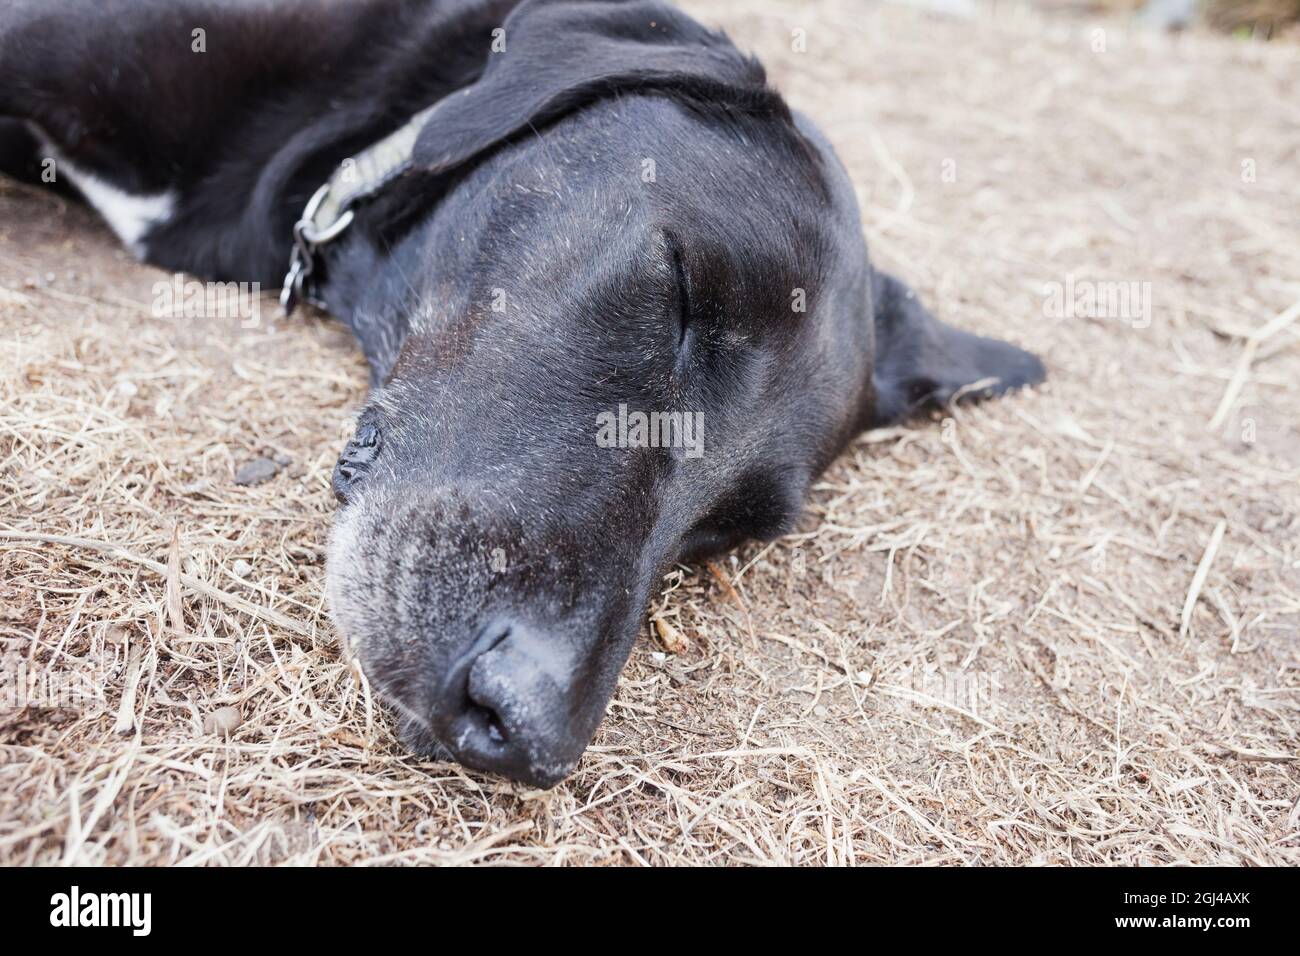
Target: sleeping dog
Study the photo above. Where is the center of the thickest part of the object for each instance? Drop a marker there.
(536, 218)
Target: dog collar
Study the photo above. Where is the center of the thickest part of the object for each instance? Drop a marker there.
(329, 212)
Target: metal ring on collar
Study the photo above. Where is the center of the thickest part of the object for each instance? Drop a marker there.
(306, 226)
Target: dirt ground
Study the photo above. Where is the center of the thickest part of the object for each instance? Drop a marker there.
(1060, 628)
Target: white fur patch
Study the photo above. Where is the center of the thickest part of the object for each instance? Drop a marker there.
(340, 567)
(131, 217)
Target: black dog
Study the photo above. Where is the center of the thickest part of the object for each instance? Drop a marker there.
(599, 212)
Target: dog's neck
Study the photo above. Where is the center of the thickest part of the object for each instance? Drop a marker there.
(351, 267)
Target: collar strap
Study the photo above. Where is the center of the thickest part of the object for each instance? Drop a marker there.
(329, 212)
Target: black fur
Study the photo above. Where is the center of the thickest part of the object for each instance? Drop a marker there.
(491, 561)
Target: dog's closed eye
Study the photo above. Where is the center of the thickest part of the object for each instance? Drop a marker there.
(685, 327)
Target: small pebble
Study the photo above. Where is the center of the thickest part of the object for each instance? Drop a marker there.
(256, 472)
(242, 568)
(223, 720)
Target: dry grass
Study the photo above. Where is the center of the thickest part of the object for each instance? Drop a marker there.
(1061, 628)
(1262, 17)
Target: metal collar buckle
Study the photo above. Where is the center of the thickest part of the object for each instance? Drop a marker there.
(308, 235)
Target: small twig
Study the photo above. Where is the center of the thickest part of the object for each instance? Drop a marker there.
(1254, 756)
(1198, 579)
(729, 589)
(125, 723)
(175, 610)
(1247, 359)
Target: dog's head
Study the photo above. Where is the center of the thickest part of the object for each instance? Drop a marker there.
(637, 324)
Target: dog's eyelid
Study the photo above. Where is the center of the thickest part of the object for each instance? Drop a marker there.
(683, 280)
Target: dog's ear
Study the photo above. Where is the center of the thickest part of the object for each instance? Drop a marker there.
(922, 363)
(553, 56)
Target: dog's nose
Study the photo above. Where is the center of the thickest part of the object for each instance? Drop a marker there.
(508, 710)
